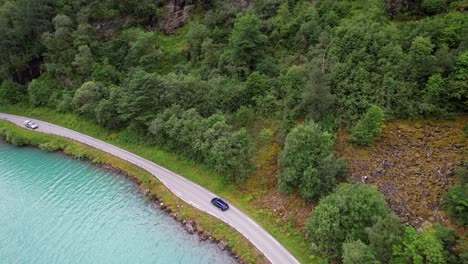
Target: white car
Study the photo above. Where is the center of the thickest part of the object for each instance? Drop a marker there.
(30, 124)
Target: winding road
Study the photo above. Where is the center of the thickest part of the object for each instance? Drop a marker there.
(188, 191)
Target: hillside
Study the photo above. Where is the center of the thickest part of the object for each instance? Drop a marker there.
(288, 106)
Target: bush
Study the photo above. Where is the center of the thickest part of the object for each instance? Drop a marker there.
(209, 140)
(419, 247)
(11, 92)
(13, 138)
(368, 127)
(383, 235)
(344, 215)
(307, 162)
(87, 98)
(455, 200)
(452, 244)
(40, 90)
(356, 252)
(265, 136)
(433, 6)
(51, 146)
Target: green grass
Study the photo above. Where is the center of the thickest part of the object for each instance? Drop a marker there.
(286, 235)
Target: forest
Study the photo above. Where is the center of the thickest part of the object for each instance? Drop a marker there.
(212, 81)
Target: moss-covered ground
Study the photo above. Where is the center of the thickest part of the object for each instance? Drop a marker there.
(413, 164)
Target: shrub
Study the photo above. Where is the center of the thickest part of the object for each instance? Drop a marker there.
(433, 6)
(51, 146)
(456, 200)
(13, 138)
(87, 98)
(11, 92)
(356, 252)
(383, 235)
(40, 90)
(265, 136)
(307, 162)
(418, 247)
(368, 127)
(344, 215)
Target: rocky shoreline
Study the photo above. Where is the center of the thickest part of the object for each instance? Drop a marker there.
(191, 226)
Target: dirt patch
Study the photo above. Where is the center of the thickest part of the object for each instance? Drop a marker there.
(413, 164)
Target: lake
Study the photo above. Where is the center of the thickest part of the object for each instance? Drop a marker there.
(55, 209)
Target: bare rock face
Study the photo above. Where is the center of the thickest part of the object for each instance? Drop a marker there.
(178, 13)
(395, 7)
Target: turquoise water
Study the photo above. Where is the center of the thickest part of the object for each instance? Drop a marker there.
(54, 209)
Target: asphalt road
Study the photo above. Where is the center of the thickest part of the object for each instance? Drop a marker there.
(188, 191)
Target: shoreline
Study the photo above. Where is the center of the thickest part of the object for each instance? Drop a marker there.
(189, 225)
(191, 219)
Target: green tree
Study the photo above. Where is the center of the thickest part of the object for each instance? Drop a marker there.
(459, 83)
(144, 49)
(456, 200)
(368, 128)
(246, 45)
(196, 36)
(452, 244)
(433, 6)
(106, 110)
(60, 52)
(256, 86)
(356, 252)
(317, 99)
(383, 235)
(418, 248)
(87, 98)
(11, 92)
(421, 62)
(344, 215)
(21, 24)
(231, 155)
(84, 62)
(142, 97)
(106, 73)
(307, 162)
(41, 89)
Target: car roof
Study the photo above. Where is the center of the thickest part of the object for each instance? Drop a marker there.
(221, 201)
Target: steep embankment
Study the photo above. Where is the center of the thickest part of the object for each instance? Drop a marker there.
(413, 164)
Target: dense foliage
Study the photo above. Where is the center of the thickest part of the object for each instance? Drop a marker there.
(383, 235)
(236, 77)
(356, 252)
(344, 216)
(369, 127)
(307, 162)
(456, 199)
(419, 247)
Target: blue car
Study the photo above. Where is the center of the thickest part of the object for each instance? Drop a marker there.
(220, 204)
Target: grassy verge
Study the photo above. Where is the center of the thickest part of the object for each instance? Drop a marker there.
(287, 235)
(217, 229)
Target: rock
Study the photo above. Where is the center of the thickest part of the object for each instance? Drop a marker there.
(189, 227)
(143, 191)
(205, 236)
(200, 230)
(222, 244)
(177, 14)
